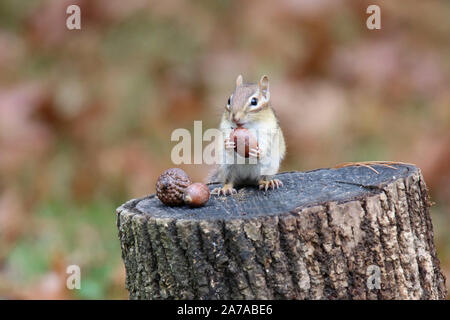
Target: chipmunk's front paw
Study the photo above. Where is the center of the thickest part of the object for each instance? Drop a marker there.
(255, 153)
(270, 184)
(229, 144)
(225, 190)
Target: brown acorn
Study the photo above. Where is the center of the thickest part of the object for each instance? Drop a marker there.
(244, 140)
(171, 185)
(196, 195)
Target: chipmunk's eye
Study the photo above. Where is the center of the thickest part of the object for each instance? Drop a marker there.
(227, 107)
(254, 102)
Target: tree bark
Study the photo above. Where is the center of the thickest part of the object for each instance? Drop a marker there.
(346, 233)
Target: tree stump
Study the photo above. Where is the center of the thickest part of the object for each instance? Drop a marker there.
(344, 233)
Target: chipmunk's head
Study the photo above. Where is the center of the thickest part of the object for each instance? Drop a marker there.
(248, 101)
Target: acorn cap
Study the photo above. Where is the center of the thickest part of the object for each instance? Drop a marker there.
(171, 185)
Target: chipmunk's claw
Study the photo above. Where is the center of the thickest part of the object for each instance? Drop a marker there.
(255, 153)
(369, 164)
(224, 191)
(270, 184)
(229, 144)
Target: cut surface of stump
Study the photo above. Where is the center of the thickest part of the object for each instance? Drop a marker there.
(345, 233)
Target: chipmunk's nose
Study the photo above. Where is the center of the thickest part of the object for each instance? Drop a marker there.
(237, 118)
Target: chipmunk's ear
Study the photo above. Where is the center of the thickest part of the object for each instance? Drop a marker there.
(239, 80)
(264, 86)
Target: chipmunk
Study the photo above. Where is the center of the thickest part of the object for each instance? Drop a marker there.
(249, 107)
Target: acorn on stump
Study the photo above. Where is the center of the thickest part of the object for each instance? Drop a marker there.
(196, 195)
(171, 185)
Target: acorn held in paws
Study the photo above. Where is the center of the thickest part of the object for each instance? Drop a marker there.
(196, 195)
(244, 141)
(171, 185)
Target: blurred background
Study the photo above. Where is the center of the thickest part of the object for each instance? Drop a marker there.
(86, 115)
